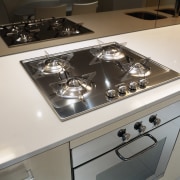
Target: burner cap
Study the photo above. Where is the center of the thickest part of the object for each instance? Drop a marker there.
(108, 53)
(14, 29)
(53, 66)
(56, 24)
(74, 82)
(112, 53)
(139, 70)
(73, 88)
(70, 31)
(23, 38)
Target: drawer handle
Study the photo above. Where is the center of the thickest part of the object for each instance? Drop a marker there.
(137, 154)
(30, 175)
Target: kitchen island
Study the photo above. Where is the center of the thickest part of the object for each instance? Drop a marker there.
(29, 126)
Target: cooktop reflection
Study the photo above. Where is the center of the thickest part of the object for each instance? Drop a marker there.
(32, 31)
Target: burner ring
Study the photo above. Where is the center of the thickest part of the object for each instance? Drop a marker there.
(53, 66)
(139, 70)
(70, 31)
(112, 53)
(75, 82)
(24, 38)
(109, 53)
(73, 88)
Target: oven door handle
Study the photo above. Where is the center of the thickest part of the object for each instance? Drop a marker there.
(139, 153)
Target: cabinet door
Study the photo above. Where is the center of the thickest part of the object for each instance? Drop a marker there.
(53, 164)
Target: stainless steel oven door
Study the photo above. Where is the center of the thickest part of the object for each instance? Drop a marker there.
(144, 158)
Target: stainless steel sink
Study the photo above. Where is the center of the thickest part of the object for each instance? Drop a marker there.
(146, 15)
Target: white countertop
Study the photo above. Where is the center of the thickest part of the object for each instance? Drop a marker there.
(28, 124)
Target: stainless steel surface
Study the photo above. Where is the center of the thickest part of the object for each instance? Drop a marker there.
(83, 80)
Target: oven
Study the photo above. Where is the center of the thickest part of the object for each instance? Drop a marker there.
(83, 80)
(138, 151)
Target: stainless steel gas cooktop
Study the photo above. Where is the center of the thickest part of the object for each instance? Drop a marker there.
(32, 31)
(83, 80)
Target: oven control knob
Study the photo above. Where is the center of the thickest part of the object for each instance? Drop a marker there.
(122, 89)
(143, 83)
(111, 93)
(132, 86)
(122, 133)
(153, 119)
(140, 127)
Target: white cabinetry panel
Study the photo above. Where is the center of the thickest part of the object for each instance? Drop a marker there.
(53, 164)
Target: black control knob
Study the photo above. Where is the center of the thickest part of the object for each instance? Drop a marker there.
(140, 127)
(153, 119)
(122, 133)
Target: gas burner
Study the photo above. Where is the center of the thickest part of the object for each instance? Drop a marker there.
(32, 27)
(64, 28)
(44, 29)
(24, 37)
(112, 53)
(139, 70)
(74, 87)
(12, 30)
(56, 24)
(19, 34)
(69, 31)
(108, 53)
(53, 65)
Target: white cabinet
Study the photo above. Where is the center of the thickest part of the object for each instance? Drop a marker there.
(51, 165)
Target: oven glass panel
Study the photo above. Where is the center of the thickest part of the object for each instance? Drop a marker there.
(144, 157)
(140, 167)
(110, 166)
